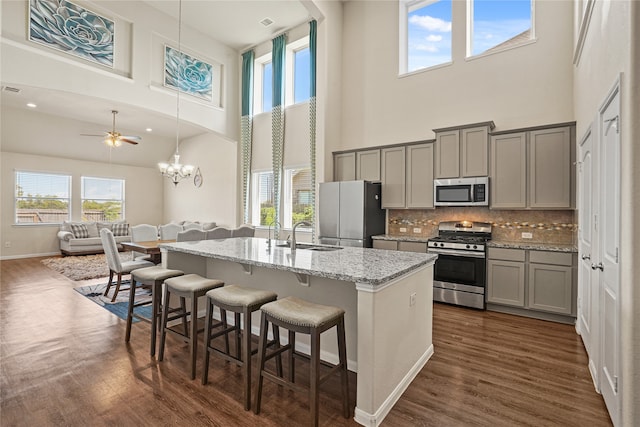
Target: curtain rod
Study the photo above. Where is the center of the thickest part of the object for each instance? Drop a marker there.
(278, 34)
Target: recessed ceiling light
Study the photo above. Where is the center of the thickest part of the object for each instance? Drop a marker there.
(266, 22)
(149, 129)
(31, 105)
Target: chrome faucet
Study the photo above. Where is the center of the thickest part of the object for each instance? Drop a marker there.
(293, 234)
(269, 239)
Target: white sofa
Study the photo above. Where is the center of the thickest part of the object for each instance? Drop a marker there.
(78, 240)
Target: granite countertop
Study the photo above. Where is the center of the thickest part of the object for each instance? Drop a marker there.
(364, 265)
(553, 247)
(401, 238)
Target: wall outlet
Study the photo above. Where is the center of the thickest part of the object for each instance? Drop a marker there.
(7, 244)
(403, 229)
(526, 235)
(417, 230)
(412, 299)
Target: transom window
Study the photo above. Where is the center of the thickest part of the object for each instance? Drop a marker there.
(42, 198)
(102, 199)
(425, 34)
(498, 24)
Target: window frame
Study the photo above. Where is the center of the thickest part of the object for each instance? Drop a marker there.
(290, 77)
(69, 199)
(287, 196)
(258, 83)
(82, 196)
(255, 196)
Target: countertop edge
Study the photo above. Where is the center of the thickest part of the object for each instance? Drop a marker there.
(551, 247)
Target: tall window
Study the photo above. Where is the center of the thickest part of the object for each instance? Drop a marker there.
(498, 24)
(297, 196)
(267, 87)
(102, 199)
(301, 75)
(425, 34)
(263, 209)
(42, 198)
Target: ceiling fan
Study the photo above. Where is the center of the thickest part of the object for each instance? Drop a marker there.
(115, 139)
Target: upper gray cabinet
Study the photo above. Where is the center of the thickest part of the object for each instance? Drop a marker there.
(533, 169)
(344, 166)
(462, 152)
(368, 165)
(407, 176)
(393, 177)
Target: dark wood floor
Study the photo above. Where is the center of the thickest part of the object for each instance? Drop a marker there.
(64, 362)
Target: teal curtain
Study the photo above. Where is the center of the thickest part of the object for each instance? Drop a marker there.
(313, 28)
(277, 122)
(246, 130)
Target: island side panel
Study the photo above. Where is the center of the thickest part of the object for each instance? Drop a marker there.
(398, 335)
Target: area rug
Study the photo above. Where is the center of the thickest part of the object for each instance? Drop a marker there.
(82, 267)
(121, 305)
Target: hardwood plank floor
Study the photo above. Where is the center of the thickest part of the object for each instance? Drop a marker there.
(64, 362)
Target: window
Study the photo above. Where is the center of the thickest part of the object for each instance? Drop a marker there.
(425, 34)
(102, 199)
(263, 208)
(301, 75)
(498, 24)
(42, 198)
(297, 196)
(267, 87)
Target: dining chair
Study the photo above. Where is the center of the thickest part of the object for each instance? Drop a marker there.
(219, 233)
(143, 233)
(116, 266)
(244, 230)
(191, 235)
(170, 231)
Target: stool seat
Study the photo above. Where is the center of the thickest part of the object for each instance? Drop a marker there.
(298, 312)
(234, 295)
(192, 283)
(155, 273)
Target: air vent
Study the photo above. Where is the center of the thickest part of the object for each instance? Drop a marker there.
(266, 22)
(10, 89)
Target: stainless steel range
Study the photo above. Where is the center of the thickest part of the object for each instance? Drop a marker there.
(460, 271)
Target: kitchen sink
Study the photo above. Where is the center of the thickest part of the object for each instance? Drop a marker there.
(310, 247)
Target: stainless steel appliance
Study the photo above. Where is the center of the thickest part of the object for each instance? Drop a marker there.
(461, 267)
(461, 192)
(350, 213)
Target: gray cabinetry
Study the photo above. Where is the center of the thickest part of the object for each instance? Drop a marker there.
(506, 277)
(447, 162)
(391, 245)
(532, 169)
(344, 166)
(419, 182)
(550, 282)
(412, 246)
(393, 177)
(462, 152)
(368, 165)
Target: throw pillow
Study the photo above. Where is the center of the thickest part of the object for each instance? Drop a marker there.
(106, 225)
(208, 226)
(92, 227)
(79, 231)
(120, 229)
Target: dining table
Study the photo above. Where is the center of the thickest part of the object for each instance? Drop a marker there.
(150, 248)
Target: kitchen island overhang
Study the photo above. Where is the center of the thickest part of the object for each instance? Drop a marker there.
(387, 297)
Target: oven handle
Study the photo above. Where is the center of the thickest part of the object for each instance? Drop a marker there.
(454, 252)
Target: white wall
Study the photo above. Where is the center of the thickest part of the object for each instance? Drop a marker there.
(217, 199)
(143, 199)
(611, 48)
(529, 85)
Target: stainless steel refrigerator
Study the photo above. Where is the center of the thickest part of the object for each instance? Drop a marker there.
(350, 213)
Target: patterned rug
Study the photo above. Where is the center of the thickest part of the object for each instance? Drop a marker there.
(121, 305)
(82, 267)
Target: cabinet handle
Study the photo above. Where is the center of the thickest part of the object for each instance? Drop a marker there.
(586, 256)
(598, 266)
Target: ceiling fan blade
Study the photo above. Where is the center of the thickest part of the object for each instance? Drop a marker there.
(128, 141)
(93, 134)
(135, 138)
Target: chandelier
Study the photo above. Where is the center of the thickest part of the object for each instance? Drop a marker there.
(176, 171)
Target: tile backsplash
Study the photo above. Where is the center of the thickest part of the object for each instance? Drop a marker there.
(508, 225)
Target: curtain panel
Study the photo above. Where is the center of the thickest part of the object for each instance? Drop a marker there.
(313, 28)
(246, 130)
(277, 123)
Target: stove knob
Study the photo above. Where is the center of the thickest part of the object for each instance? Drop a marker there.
(442, 245)
(468, 246)
(475, 246)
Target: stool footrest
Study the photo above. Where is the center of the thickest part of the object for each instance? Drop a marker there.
(281, 381)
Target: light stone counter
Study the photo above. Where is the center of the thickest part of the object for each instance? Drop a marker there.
(552, 247)
(387, 297)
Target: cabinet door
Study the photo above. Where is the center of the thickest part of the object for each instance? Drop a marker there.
(412, 246)
(420, 176)
(393, 177)
(447, 154)
(368, 165)
(391, 245)
(550, 168)
(508, 171)
(505, 282)
(550, 288)
(344, 167)
(475, 152)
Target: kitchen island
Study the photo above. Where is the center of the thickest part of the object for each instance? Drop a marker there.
(387, 297)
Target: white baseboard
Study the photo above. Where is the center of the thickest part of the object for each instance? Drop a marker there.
(8, 257)
(374, 420)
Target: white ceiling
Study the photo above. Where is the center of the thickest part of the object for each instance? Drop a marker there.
(235, 23)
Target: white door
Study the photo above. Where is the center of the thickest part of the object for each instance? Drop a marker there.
(608, 262)
(588, 287)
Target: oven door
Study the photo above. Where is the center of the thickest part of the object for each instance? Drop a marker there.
(459, 280)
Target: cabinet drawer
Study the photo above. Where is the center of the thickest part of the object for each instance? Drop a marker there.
(412, 246)
(554, 258)
(507, 254)
(391, 245)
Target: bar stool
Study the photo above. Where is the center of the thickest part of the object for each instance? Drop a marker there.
(190, 286)
(297, 315)
(240, 301)
(153, 277)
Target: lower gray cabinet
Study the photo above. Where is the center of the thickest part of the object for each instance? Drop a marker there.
(506, 282)
(391, 245)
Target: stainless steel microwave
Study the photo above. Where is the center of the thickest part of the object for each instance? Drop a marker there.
(461, 192)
